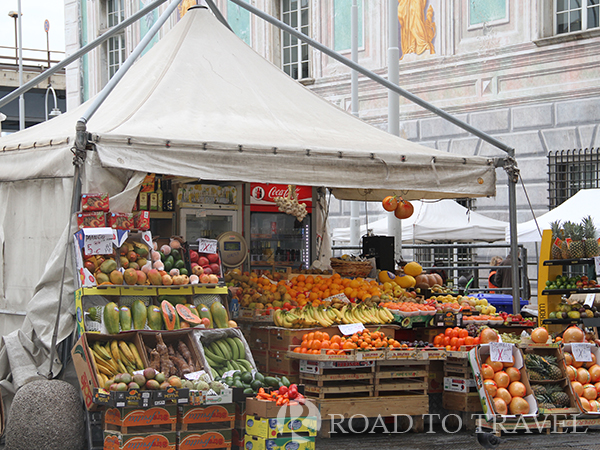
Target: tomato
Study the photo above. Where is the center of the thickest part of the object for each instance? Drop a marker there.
(454, 342)
(283, 390)
(461, 342)
(448, 331)
(463, 333)
(437, 340)
(446, 341)
(454, 333)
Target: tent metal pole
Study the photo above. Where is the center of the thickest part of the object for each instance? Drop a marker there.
(82, 51)
(96, 102)
(373, 76)
(513, 177)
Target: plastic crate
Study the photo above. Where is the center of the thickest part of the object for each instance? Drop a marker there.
(502, 302)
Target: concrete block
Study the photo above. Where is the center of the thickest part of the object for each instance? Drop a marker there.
(439, 128)
(464, 147)
(578, 111)
(565, 138)
(491, 121)
(409, 130)
(536, 116)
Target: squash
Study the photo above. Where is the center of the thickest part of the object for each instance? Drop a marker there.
(427, 280)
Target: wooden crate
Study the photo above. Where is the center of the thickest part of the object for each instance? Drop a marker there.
(338, 382)
(413, 405)
(401, 377)
(457, 367)
(575, 424)
(458, 401)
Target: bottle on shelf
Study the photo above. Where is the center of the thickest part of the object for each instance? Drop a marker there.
(159, 195)
(153, 198)
(168, 197)
(279, 252)
(143, 201)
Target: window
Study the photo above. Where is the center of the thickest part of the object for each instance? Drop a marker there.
(342, 24)
(239, 21)
(115, 13)
(487, 11)
(295, 13)
(576, 15)
(570, 171)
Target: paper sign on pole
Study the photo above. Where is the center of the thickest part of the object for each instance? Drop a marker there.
(501, 352)
(581, 352)
(351, 328)
(207, 245)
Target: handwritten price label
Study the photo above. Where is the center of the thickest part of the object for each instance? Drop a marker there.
(207, 245)
(589, 300)
(581, 352)
(501, 352)
(351, 328)
(341, 297)
(99, 244)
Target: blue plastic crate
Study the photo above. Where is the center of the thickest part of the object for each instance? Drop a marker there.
(502, 302)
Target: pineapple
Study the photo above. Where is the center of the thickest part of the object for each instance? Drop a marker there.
(557, 239)
(564, 248)
(557, 396)
(576, 247)
(535, 367)
(591, 242)
(539, 389)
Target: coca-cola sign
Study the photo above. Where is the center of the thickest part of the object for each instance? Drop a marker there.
(265, 193)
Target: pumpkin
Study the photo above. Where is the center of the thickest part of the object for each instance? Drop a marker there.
(427, 280)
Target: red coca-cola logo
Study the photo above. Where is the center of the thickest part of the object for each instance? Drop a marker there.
(268, 192)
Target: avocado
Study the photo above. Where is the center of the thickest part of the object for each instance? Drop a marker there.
(179, 264)
(175, 254)
(248, 391)
(256, 385)
(246, 377)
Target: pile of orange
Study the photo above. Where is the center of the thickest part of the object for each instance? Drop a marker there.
(313, 342)
(408, 306)
(306, 288)
(454, 338)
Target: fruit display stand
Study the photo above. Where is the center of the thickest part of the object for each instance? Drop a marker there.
(549, 299)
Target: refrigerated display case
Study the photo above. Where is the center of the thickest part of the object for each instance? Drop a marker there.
(278, 240)
(206, 211)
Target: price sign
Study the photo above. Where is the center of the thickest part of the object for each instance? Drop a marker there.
(589, 300)
(341, 297)
(501, 352)
(98, 244)
(351, 328)
(267, 278)
(581, 352)
(597, 264)
(207, 245)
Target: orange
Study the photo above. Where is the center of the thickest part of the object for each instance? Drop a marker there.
(316, 344)
(364, 345)
(318, 335)
(303, 350)
(335, 345)
(309, 343)
(304, 344)
(348, 345)
(336, 339)
(325, 344)
(311, 336)
(305, 337)
(325, 336)
(330, 352)
(297, 349)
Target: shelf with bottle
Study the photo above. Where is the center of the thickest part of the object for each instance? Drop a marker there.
(156, 195)
(569, 262)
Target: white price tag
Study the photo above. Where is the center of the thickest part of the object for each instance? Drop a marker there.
(351, 328)
(229, 373)
(501, 352)
(195, 376)
(207, 245)
(581, 352)
(98, 244)
(267, 278)
(597, 264)
(341, 297)
(589, 300)
(201, 213)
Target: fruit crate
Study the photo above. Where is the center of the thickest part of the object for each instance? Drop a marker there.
(206, 417)
(337, 379)
(461, 401)
(395, 378)
(457, 367)
(141, 420)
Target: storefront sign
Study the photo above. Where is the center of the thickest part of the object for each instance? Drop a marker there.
(265, 193)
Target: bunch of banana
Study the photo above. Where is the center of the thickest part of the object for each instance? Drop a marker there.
(367, 315)
(226, 354)
(114, 357)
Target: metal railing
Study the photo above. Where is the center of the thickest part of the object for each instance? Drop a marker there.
(13, 59)
(456, 267)
(569, 171)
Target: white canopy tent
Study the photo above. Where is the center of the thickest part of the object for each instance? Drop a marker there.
(200, 104)
(585, 203)
(444, 220)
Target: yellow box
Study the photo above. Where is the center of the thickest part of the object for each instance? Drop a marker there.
(282, 443)
(272, 428)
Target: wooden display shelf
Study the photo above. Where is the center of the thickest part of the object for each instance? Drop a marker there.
(401, 377)
(412, 405)
(457, 367)
(462, 401)
(340, 391)
(568, 262)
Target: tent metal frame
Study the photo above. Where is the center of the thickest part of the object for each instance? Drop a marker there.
(508, 162)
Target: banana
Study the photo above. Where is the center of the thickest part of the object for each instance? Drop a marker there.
(338, 314)
(241, 348)
(276, 318)
(101, 351)
(216, 349)
(114, 351)
(332, 315)
(122, 367)
(111, 364)
(359, 318)
(234, 348)
(136, 355)
(246, 364)
(319, 317)
(389, 314)
(224, 348)
(127, 352)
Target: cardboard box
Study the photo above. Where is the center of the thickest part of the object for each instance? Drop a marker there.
(115, 440)
(477, 357)
(237, 437)
(141, 220)
(281, 338)
(266, 409)
(279, 364)
(93, 242)
(121, 221)
(207, 414)
(272, 428)
(94, 202)
(454, 384)
(596, 351)
(132, 417)
(281, 443)
(86, 367)
(148, 338)
(191, 440)
(92, 219)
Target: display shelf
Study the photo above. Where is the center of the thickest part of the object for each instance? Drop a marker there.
(568, 262)
(570, 291)
(588, 322)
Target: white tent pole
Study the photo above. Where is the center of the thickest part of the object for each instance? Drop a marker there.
(82, 51)
(354, 205)
(393, 53)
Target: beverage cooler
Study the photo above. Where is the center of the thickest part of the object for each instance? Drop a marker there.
(278, 240)
(208, 210)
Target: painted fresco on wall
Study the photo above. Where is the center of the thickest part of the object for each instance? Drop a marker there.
(183, 7)
(342, 24)
(239, 21)
(417, 27)
(485, 11)
(146, 23)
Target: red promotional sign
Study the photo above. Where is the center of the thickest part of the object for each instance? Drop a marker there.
(264, 193)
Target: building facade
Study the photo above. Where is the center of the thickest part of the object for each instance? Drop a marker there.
(523, 71)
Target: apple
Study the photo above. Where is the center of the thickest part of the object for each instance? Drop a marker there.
(197, 270)
(203, 261)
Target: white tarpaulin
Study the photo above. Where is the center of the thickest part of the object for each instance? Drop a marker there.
(445, 220)
(585, 203)
(203, 104)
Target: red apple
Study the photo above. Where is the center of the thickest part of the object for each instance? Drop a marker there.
(203, 261)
